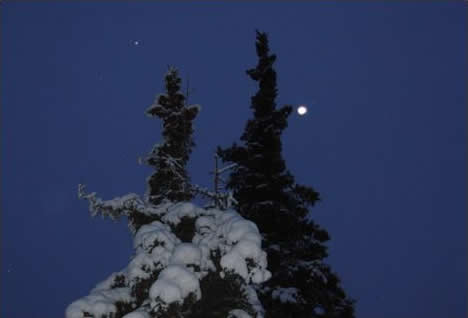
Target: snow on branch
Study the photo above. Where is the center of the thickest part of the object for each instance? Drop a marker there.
(117, 207)
(224, 169)
(221, 200)
(175, 165)
(286, 295)
(170, 271)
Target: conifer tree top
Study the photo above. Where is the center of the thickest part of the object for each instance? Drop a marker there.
(172, 101)
(265, 75)
(170, 181)
(301, 284)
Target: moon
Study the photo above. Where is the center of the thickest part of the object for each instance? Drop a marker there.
(302, 110)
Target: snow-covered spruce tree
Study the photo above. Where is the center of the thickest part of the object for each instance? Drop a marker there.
(210, 275)
(302, 285)
(170, 180)
(188, 262)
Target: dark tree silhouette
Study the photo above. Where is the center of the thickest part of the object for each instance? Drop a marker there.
(302, 285)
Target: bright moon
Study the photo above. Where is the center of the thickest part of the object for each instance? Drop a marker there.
(302, 110)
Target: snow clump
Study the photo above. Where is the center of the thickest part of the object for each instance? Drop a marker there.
(173, 270)
(285, 295)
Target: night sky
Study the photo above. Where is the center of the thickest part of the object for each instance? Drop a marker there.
(384, 140)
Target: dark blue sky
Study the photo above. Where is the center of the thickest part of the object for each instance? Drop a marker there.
(384, 140)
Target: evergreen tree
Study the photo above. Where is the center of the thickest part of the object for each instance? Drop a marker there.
(189, 262)
(302, 285)
(170, 180)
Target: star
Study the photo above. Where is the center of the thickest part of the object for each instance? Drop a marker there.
(136, 42)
